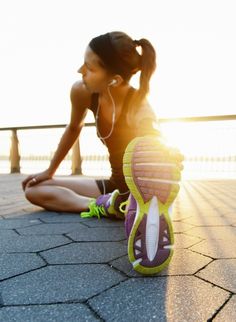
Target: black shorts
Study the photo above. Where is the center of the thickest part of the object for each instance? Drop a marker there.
(106, 185)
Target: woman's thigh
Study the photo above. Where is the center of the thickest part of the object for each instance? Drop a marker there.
(82, 186)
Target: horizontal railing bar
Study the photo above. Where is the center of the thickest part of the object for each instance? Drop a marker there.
(161, 120)
(39, 127)
(200, 118)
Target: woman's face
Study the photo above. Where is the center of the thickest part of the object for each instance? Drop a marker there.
(94, 76)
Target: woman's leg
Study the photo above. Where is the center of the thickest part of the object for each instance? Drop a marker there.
(63, 194)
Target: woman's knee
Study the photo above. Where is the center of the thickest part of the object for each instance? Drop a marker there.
(29, 194)
(33, 195)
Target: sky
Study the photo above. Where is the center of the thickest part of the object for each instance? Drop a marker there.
(43, 42)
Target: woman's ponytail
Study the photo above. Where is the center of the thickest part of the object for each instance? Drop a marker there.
(147, 66)
(125, 58)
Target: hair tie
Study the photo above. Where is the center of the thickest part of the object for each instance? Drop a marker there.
(137, 43)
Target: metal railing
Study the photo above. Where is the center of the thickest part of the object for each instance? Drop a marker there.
(77, 157)
(14, 154)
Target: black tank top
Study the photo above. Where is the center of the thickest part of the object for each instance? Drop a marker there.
(120, 137)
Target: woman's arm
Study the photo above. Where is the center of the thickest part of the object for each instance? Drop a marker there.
(80, 100)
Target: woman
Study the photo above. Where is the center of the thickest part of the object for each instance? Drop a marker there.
(123, 117)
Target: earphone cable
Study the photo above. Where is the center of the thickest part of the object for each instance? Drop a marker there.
(103, 138)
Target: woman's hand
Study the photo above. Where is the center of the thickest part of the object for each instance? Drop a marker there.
(34, 179)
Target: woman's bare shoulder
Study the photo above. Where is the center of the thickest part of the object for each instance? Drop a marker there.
(79, 95)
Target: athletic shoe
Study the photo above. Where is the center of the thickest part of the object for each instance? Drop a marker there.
(108, 205)
(152, 173)
(130, 214)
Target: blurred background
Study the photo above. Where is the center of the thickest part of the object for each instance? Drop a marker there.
(42, 46)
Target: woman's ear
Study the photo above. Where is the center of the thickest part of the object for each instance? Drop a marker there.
(116, 80)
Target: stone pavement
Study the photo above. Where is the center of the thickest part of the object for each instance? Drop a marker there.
(60, 267)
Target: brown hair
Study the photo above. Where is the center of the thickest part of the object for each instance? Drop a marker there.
(145, 62)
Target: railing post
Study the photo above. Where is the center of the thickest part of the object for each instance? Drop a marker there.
(14, 153)
(76, 166)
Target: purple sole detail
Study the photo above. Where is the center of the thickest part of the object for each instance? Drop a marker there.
(130, 216)
(129, 221)
(162, 254)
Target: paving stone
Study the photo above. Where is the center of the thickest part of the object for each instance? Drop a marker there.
(50, 229)
(228, 312)
(123, 265)
(20, 214)
(180, 227)
(11, 208)
(17, 223)
(216, 248)
(49, 313)
(14, 264)
(176, 298)
(99, 252)
(229, 214)
(185, 241)
(198, 212)
(55, 284)
(221, 272)
(98, 234)
(183, 262)
(221, 233)
(7, 204)
(210, 221)
(12, 212)
(103, 222)
(7, 233)
(28, 244)
(62, 218)
(224, 208)
(182, 213)
(30, 213)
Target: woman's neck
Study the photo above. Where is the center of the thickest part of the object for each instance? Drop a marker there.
(118, 94)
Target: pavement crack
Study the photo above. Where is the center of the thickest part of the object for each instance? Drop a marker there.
(26, 272)
(199, 253)
(213, 284)
(1, 301)
(106, 289)
(94, 312)
(220, 308)
(203, 267)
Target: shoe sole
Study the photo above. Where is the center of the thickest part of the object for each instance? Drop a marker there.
(152, 175)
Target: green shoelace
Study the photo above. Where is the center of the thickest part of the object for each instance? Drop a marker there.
(98, 211)
(94, 211)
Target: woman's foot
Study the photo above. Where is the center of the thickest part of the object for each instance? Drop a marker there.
(152, 173)
(108, 205)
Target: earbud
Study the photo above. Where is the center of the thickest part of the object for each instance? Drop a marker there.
(113, 82)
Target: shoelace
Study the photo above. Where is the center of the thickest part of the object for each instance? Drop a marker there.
(94, 211)
(123, 206)
(98, 211)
